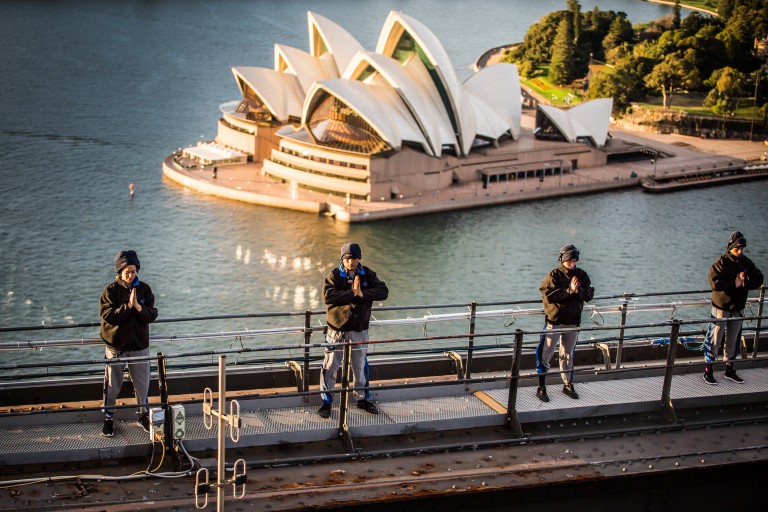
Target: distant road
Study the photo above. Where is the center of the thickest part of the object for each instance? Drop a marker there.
(691, 7)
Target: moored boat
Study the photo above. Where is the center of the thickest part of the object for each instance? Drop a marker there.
(706, 178)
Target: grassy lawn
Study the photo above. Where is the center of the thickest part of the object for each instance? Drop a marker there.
(558, 95)
(692, 104)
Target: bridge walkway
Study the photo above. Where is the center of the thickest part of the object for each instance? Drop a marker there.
(73, 435)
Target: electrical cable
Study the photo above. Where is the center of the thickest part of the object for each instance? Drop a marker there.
(162, 455)
(135, 476)
(151, 458)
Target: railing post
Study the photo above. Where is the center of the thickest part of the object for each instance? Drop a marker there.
(307, 341)
(620, 346)
(232, 420)
(162, 382)
(221, 461)
(344, 399)
(471, 340)
(513, 422)
(666, 403)
(757, 326)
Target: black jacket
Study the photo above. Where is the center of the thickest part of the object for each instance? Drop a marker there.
(123, 328)
(345, 311)
(560, 306)
(722, 279)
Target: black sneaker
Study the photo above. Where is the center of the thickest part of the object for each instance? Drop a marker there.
(143, 422)
(568, 390)
(709, 378)
(367, 406)
(108, 430)
(541, 392)
(730, 374)
(325, 410)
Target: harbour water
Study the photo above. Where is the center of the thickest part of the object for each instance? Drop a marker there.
(96, 93)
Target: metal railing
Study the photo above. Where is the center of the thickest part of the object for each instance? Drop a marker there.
(480, 317)
(505, 342)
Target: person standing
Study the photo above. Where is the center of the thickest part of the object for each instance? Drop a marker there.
(730, 277)
(564, 291)
(349, 292)
(126, 308)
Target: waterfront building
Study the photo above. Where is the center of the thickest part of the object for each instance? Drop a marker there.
(394, 123)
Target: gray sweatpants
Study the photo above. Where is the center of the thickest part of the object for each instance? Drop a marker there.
(546, 349)
(730, 330)
(333, 359)
(113, 380)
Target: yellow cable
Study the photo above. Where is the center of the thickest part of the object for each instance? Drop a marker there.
(25, 483)
(162, 456)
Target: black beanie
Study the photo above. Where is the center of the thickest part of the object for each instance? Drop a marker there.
(736, 240)
(125, 258)
(567, 253)
(351, 250)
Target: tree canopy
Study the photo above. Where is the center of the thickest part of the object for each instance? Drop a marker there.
(660, 57)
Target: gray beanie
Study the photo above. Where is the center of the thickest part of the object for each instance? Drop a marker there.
(736, 240)
(567, 253)
(351, 250)
(125, 258)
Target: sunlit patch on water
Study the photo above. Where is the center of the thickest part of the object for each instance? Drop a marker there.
(302, 263)
(297, 298)
(273, 260)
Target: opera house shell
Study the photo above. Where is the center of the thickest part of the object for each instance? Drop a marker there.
(363, 125)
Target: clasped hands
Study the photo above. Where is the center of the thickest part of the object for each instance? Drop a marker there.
(132, 302)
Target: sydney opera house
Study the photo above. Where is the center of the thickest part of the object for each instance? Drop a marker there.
(384, 125)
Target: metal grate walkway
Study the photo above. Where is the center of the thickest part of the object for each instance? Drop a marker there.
(72, 436)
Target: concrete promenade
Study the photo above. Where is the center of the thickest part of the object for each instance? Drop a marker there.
(246, 183)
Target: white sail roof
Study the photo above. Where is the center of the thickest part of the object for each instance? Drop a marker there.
(410, 74)
(325, 34)
(280, 92)
(308, 69)
(378, 106)
(430, 116)
(499, 88)
(590, 119)
(395, 25)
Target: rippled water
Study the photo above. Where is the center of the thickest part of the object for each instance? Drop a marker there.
(95, 94)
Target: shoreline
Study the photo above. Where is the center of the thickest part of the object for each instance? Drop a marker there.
(683, 5)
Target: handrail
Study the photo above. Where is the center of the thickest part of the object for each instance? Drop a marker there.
(302, 346)
(426, 319)
(236, 316)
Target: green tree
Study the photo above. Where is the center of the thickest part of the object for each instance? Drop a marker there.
(711, 53)
(725, 8)
(537, 44)
(695, 22)
(574, 10)
(726, 83)
(561, 67)
(526, 68)
(676, 15)
(675, 72)
(623, 83)
(619, 33)
(738, 37)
